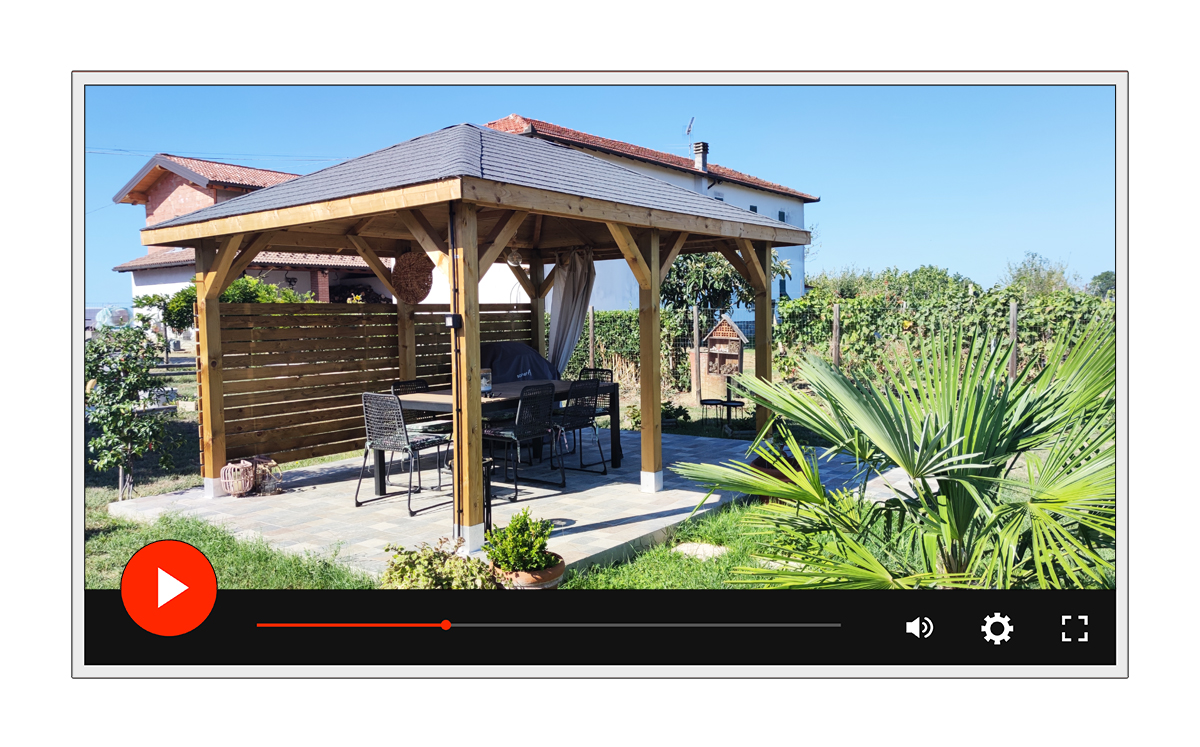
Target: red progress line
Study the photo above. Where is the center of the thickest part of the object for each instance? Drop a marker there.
(444, 625)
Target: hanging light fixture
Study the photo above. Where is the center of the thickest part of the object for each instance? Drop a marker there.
(514, 258)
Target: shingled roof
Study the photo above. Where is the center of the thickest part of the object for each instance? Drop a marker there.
(468, 150)
(517, 124)
(200, 172)
(183, 257)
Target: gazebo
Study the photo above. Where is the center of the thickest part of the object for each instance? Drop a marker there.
(467, 197)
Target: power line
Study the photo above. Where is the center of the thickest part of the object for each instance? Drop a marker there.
(214, 156)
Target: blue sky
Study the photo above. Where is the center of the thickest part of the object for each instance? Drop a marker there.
(964, 177)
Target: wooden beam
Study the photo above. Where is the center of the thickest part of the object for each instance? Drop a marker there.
(523, 279)
(650, 370)
(486, 192)
(763, 319)
(569, 225)
(209, 373)
(760, 273)
(633, 255)
(537, 231)
(548, 283)
(404, 198)
(537, 302)
(464, 355)
(372, 259)
(427, 237)
(215, 279)
(672, 254)
(305, 240)
(496, 242)
(729, 254)
(244, 258)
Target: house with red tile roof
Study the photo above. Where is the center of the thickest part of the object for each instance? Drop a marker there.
(169, 186)
(697, 174)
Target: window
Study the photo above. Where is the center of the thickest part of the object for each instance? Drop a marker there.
(782, 217)
(754, 208)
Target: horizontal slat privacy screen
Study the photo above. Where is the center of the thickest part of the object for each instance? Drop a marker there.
(294, 374)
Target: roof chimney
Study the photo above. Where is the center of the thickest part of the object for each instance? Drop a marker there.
(701, 151)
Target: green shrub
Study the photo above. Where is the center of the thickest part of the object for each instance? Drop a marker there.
(521, 546)
(438, 567)
(179, 311)
(675, 412)
(633, 414)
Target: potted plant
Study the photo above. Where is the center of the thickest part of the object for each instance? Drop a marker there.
(518, 553)
(437, 567)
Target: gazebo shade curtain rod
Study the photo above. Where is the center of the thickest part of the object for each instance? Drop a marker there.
(479, 165)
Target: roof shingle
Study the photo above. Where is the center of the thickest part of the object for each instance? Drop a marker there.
(232, 174)
(470, 150)
(183, 257)
(517, 124)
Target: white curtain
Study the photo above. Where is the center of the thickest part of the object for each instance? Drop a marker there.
(573, 281)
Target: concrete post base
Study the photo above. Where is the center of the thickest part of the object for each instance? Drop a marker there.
(652, 482)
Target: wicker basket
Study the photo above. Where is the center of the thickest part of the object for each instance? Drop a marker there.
(412, 277)
(238, 478)
(268, 477)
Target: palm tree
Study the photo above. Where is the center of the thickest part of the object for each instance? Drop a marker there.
(947, 414)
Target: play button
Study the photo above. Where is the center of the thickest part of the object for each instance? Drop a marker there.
(168, 587)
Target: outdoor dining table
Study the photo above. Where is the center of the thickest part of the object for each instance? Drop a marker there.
(505, 397)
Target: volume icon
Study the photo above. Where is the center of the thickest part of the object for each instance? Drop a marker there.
(921, 627)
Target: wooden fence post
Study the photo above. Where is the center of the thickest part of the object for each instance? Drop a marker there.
(591, 337)
(1012, 335)
(835, 342)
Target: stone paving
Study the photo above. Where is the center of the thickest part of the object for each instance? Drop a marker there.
(598, 519)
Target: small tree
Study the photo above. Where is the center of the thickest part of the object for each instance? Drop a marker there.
(159, 302)
(116, 364)
(709, 281)
(180, 311)
(1104, 285)
(1037, 275)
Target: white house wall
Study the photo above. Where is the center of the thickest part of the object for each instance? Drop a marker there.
(615, 288)
(497, 286)
(166, 280)
(169, 280)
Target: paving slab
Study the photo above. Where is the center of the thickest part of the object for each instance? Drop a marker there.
(599, 518)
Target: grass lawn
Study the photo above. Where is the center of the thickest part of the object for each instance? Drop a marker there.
(660, 568)
(110, 542)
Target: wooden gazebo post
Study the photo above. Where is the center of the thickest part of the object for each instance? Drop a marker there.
(764, 318)
(213, 267)
(464, 363)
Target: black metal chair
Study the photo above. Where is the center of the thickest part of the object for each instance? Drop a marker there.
(532, 422)
(426, 424)
(580, 413)
(604, 376)
(386, 432)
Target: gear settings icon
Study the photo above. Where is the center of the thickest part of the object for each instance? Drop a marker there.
(1005, 624)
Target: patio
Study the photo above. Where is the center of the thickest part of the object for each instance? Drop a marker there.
(599, 519)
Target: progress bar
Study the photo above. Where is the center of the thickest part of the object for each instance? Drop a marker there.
(648, 625)
(446, 625)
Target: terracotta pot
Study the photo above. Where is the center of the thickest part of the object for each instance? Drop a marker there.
(547, 578)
